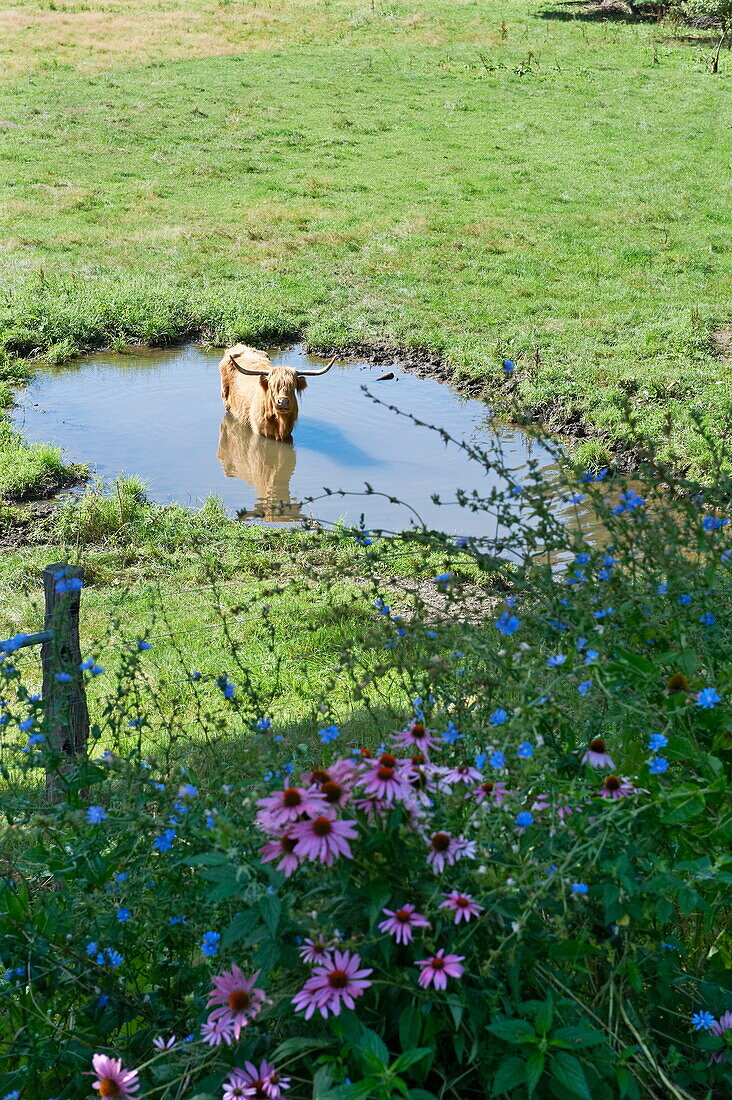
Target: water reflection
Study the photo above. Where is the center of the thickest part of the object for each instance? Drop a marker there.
(265, 464)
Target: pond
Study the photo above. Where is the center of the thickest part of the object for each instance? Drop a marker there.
(158, 414)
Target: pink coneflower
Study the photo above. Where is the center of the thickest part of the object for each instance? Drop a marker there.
(416, 735)
(462, 906)
(720, 1027)
(385, 779)
(542, 803)
(264, 1083)
(282, 807)
(443, 850)
(463, 773)
(492, 792)
(237, 999)
(402, 921)
(338, 980)
(112, 1080)
(324, 839)
(438, 969)
(282, 848)
(164, 1044)
(216, 1032)
(316, 951)
(596, 756)
(616, 787)
(465, 848)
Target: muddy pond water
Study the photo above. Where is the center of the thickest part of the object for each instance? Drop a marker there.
(158, 414)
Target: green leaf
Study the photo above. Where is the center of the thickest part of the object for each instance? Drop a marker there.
(456, 1009)
(534, 1069)
(544, 1017)
(404, 1061)
(373, 1046)
(271, 908)
(691, 806)
(511, 1074)
(512, 1031)
(579, 1036)
(298, 1045)
(410, 1028)
(239, 927)
(568, 1073)
(420, 1094)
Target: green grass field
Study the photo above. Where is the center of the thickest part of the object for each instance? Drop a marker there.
(478, 180)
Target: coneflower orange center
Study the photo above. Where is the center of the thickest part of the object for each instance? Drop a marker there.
(598, 745)
(239, 1000)
(292, 797)
(337, 979)
(403, 916)
(109, 1087)
(487, 787)
(418, 729)
(287, 843)
(320, 776)
(387, 760)
(462, 902)
(385, 772)
(419, 758)
(322, 826)
(437, 963)
(440, 842)
(612, 783)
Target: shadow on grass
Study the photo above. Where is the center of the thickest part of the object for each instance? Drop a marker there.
(614, 11)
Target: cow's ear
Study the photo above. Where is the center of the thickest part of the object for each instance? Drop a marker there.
(263, 381)
(301, 383)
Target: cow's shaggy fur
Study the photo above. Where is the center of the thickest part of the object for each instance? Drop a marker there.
(268, 403)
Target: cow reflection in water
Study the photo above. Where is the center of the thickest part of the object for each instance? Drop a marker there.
(266, 464)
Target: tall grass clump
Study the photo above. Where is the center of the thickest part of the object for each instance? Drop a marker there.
(498, 866)
(31, 470)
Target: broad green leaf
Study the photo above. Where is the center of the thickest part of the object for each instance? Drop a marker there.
(271, 908)
(579, 1036)
(511, 1074)
(534, 1069)
(239, 927)
(568, 1073)
(691, 806)
(512, 1031)
(544, 1017)
(298, 1045)
(371, 1044)
(410, 1028)
(404, 1061)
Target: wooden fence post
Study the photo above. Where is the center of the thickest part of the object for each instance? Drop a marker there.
(67, 716)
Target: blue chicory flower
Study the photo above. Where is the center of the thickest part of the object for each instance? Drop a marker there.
(702, 1021)
(498, 717)
(95, 814)
(585, 687)
(579, 888)
(708, 698)
(524, 819)
(658, 765)
(525, 750)
(507, 624)
(210, 944)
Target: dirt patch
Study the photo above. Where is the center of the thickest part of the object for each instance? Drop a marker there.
(722, 343)
(23, 525)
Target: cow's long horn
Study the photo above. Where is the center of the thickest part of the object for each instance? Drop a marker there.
(323, 370)
(245, 370)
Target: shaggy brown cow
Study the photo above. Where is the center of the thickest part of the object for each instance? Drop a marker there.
(260, 395)
(265, 464)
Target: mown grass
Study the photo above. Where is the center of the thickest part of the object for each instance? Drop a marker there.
(216, 596)
(478, 181)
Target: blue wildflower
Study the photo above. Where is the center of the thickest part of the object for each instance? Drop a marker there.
(461, 542)
(35, 739)
(123, 915)
(113, 957)
(579, 888)
(702, 1021)
(662, 589)
(605, 611)
(142, 644)
(188, 791)
(497, 760)
(263, 724)
(708, 698)
(582, 559)
(658, 765)
(210, 944)
(330, 733)
(591, 655)
(585, 687)
(684, 599)
(508, 366)
(26, 724)
(609, 561)
(657, 741)
(92, 947)
(121, 876)
(556, 660)
(176, 920)
(62, 677)
(498, 717)
(228, 689)
(629, 501)
(713, 523)
(507, 624)
(443, 578)
(451, 734)
(95, 814)
(480, 759)
(604, 574)
(164, 842)
(525, 750)
(524, 819)
(68, 584)
(707, 619)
